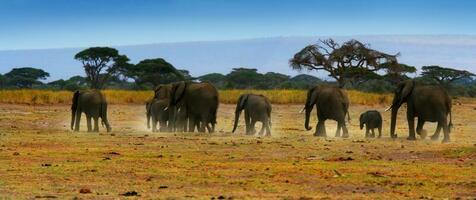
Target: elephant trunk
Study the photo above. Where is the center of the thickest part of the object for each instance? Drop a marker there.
(393, 121)
(148, 105)
(172, 111)
(361, 125)
(308, 115)
(74, 108)
(237, 117)
(104, 120)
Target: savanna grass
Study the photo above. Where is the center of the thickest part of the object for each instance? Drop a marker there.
(49, 97)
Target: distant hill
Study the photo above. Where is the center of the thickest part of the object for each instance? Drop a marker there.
(265, 54)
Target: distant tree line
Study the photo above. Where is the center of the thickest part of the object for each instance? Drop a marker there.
(352, 65)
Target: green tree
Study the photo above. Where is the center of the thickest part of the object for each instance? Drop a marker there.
(25, 77)
(397, 72)
(444, 76)
(76, 83)
(154, 72)
(58, 84)
(243, 78)
(340, 61)
(272, 80)
(302, 81)
(3, 81)
(100, 63)
(217, 79)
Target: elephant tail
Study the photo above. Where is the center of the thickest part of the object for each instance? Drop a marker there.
(269, 118)
(450, 124)
(74, 108)
(348, 116)
(148, 115)
(103, 113)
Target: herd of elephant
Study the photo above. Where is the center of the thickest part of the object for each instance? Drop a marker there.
(186, 106)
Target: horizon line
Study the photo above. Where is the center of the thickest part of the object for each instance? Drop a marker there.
(232, 40)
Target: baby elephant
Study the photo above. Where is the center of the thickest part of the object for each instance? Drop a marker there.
(257, 108)
(156, 109)
(372, 119)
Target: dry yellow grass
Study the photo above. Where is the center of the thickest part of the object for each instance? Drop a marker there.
(40, 158)
(48, 97)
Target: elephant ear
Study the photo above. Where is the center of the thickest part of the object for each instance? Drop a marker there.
(362, 117)
(313, 95)
(179, 92)
(243, 100)
(308, 99)
(407, 88)
(156, 91)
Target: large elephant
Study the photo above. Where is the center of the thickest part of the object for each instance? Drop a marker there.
(163, 91)
(257, 108)
(157, 110)
(94, 105)
(331, 103)
(428, 103)
(200, 101)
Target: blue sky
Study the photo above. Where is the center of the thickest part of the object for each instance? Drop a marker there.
(38, 24)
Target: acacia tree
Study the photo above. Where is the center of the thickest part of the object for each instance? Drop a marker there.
(100, 63)
(154, 72)
(342, 62)
(25, 77)
(397, 72)
(444, 76)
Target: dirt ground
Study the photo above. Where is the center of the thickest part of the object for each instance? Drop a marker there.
(41, 158)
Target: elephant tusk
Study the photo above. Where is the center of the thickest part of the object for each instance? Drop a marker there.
(390, 107)
(166, 108)
(302, 110)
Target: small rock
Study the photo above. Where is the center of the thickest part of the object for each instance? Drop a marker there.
(163, 187)
(85, 191)
(46, 197)
(130, 193)
(16, 154)
(46, 165)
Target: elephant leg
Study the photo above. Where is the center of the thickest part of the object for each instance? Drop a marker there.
(339, 126)
(210, 130)
(204, 121)
(411, 126)
(380, 131)
(154, 123)
(345, 132)
(96, 124)
(373, 134)
(78, 120)
(446, 131)
(367, 132)
(436, 135)
(88, 121)
(163, 126)
(247, 122)
(268, 129)
(419, 128)
(252, 127)
(262, 127)
(320, 129)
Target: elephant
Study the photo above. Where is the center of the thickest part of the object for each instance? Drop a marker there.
(181, 120)
(331, 103)
(257, 108)
(428, 103)
(94, 105)
(200, 101)
(157, 110)
(372, 120)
